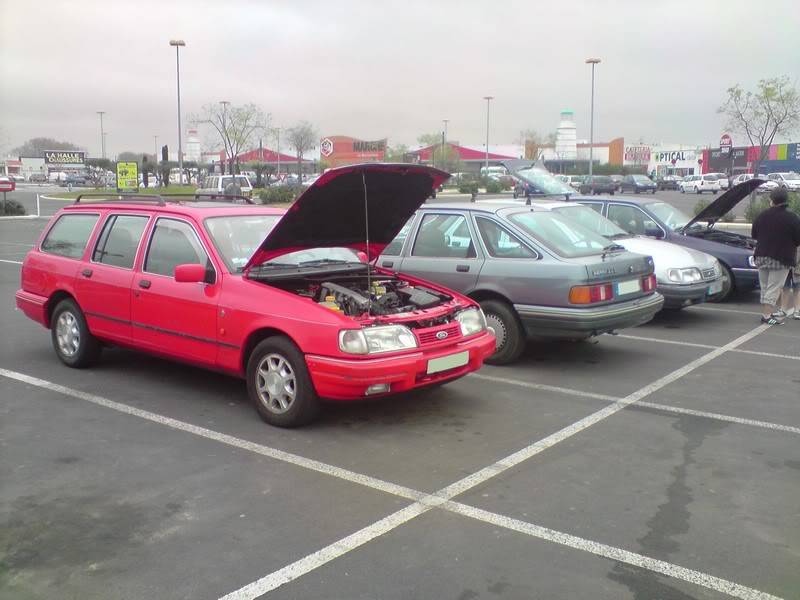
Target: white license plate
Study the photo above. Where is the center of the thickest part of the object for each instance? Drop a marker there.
(628, 287)
(715, 288)
(443, 363)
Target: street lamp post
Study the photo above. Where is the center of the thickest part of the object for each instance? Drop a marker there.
(102, 135)
(178, 44)
(155, 148)
(593, 62)
(225, 104)
(278, 149)
(486, 161)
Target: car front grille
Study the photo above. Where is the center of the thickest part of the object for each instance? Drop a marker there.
(446, 333)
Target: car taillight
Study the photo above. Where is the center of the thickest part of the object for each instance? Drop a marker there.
(589, 294)
(649, 283)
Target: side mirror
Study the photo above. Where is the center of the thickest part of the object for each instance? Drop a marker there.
(654, 232)
(190, 273)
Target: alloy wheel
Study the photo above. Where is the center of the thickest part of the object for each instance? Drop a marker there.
(68, 334)
(276, 383)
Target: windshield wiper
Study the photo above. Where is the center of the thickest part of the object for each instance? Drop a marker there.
(620, 235)
(325, 261)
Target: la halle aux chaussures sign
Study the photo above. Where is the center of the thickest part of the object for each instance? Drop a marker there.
(64, 157)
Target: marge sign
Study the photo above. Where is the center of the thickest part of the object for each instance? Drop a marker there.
(127, 176)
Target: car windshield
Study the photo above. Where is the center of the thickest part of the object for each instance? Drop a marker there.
(602, 179)
(791, 176)
(669, 215)
(242, 181)
(562, 235)
(592, 220)
(237, 237)
(544, 183)
(641, 179)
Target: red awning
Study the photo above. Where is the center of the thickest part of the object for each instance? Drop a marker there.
(463, 153)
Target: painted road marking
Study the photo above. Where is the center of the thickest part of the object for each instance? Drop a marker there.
(728, 310)
(13, 262)
(693, 345)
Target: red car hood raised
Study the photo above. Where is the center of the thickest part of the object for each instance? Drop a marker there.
(331, 212)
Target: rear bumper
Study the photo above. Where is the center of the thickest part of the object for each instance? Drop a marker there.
(570, 322)
(745, 279)
(348, 379)
(677, 296)
(33, 305)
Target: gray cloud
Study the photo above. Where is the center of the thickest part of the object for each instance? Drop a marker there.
(396, 69)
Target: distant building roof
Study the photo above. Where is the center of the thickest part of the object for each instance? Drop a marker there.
(464, 153)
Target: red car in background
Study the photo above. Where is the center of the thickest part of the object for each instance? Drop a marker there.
(285, 300)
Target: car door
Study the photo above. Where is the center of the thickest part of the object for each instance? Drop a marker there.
(444, 250)
(633, 220)
(392, 255)
(170, 317)
(103, 284)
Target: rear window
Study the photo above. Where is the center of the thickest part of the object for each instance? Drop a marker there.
(563, 236)
(69, 236)
(710, 178)
(241, 180)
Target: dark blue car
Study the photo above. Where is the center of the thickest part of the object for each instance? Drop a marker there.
(658, 219)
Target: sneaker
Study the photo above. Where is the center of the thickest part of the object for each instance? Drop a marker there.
(780, 313)
(796, 315)
(773, 319)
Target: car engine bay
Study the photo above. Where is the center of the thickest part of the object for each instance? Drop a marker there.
(724, 237)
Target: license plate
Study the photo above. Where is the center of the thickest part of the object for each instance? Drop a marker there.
(443, 363)
(628, 287)
(715, 288)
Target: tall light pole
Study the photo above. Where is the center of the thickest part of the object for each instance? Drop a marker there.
(593, 62)
(445, 121)
(225, 104)
(102, 135)
(278, 150)
(155, 148)
(178, 44)
(486, 161)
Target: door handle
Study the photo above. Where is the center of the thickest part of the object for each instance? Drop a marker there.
(462, 268)
(86, 273)
(144, 283)
(388, 263)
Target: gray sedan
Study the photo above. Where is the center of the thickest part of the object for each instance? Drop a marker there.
(535, 273)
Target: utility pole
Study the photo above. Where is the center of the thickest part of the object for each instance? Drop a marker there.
(178, 45)
(102, 135)
(593, 62)
(486, 161)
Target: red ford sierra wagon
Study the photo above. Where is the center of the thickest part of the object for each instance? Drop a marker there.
(289, 300)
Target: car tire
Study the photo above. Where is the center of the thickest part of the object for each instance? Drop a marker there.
(74, 344)
(508, 330)
(653, 192)
(279, 384)
(697, 190)
(683, 191)
(728, 285)
(516, 195)
(611, 192)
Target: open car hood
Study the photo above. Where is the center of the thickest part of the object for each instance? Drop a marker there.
(331, 212)
(725, 203)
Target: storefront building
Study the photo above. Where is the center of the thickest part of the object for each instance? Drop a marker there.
(679, 160)
(781, 158)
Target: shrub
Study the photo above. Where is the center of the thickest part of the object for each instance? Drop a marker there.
(11, 208)
(468, 187)
(493, 187)
(280, 194)
(700, 206)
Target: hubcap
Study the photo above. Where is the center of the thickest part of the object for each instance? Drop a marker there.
(500, 333)
(68, 334)
(276, 383)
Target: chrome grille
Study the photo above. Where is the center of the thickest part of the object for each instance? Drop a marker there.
(428, 336)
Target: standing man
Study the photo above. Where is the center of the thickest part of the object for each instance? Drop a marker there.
(777, 235)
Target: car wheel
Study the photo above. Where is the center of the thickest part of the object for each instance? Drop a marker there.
(683, 191)
(279, 385)
(74, 344)
(728, 285)
(516, 195)
(653, 192)
(611, 192)
(507, 329)
(697, 190)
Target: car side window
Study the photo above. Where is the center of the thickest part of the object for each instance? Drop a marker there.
(444, 236)
(499, 242)
(174, 243)
(595, 206)
(396, 245)
(119, 240)
(69, 235)
(631, 219)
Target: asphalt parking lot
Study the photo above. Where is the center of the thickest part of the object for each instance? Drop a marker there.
(662, 463)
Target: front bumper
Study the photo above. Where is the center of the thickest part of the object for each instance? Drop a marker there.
(678, 296)
(572, 322)
(349, 378)
(745, 278)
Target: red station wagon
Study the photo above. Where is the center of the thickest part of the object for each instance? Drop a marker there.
(284, 299)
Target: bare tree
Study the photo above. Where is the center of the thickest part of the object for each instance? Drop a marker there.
(236, 126)
(772, 110)
(35, 147)
(302, 137)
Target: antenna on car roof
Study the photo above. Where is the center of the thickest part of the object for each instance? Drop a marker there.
(366, 235)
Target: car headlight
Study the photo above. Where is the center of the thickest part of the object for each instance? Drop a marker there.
(375, 340)
(751, 260)
(690, 275)
(472, 321)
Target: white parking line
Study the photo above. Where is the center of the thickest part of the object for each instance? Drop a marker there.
(425, 502)
(16, 244)
(12, 262)
(693, 345)
(727, 310)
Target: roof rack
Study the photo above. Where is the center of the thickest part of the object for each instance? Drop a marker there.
(233, 199)
(135, 198)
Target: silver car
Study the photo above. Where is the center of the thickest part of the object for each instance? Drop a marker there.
(534, 272)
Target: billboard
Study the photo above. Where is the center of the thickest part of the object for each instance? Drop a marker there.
(637, 154)
(64, 157)
(338, 150)
(127, 176)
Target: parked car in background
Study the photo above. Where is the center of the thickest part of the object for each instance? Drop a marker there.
(697, 184)
(535, 274)
(76, 179)
(789, 181)
(533, 181)
(724, 182)
(16, 177)
(685, 276)
(38, 178)
(280, 299)
(597, 184)
(657, 219)
(617, 179)
(56, 176)
(668, 182)
(575, 181)
(216, 184)
(765, 187)
(637, 184)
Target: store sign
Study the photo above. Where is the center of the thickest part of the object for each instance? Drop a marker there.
(127, 176)
(326, 147)
(675, 156)
(725, 144)
(64, 157)
(376, 146)
(637, 154)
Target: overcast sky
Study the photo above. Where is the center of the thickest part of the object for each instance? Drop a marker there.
(374, 69)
